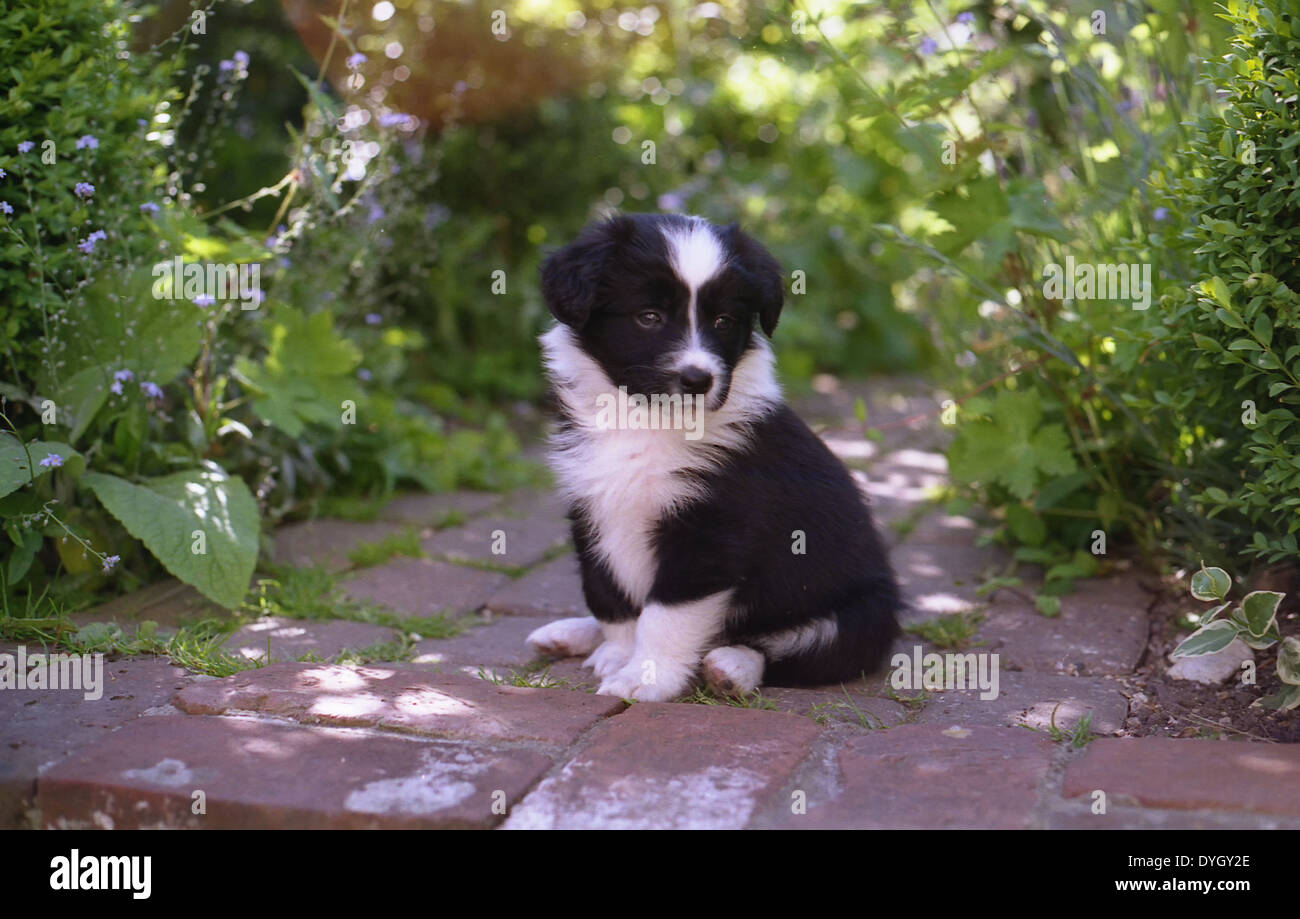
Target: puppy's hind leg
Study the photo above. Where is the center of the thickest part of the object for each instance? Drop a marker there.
(566, 637)
(734, 670)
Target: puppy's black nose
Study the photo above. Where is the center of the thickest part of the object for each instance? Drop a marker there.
(696, 381)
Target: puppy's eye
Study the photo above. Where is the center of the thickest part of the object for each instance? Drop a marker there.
(649, 319)
(722, 323)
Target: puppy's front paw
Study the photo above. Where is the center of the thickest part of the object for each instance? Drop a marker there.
(566, 637)
(647, 682)
(608, 659)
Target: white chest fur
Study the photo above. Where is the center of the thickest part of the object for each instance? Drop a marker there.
(628, 479)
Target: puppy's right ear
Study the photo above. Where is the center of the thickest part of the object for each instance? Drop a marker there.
(572, 276)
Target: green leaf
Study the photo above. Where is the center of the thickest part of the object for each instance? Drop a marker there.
(1283, 701)
(168, 513)
(1027, 527)
(14, 470)
(1206, 640)
(1258, 608)
(1048, 606)
(1211, 584)
(1288, 660)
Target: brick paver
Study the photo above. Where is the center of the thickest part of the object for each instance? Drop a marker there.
(39, 727)
(424, 587)
(1163, 772)
(259, 774)
(408, 699)
(662, 765)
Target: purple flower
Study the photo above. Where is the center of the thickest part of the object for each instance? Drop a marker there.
(1161, 213)
(966, 18)
(241, 58)
(373, 319)
(52, 461)
(152, 390)
(124, 375)
(929, 46)
(88, 244)
(356, 60)
(391, 119)
(204, 301)
(226, 66)
(83, 189)
(110, 561)
(88, 140)
(25, 146)
(149, 207)
(3, 173)
(364, 374)
(116, 389)
(376, 214)
(6, 207)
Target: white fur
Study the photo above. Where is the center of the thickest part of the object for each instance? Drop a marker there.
(670, 641)
(614, 653)
(566, 637)
(805, 638)
(695, 253)
(626, 479)
(735, 670)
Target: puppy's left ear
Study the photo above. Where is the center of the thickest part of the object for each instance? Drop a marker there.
(763, 273)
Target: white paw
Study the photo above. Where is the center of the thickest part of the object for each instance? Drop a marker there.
(648, 683)
(609, 658)
(566, 637)
(733, 670)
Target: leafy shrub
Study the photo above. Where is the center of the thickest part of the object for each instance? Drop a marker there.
(145, 424)
(1228, 336)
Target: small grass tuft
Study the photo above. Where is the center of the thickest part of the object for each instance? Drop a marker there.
(952, 631)
(370, 554)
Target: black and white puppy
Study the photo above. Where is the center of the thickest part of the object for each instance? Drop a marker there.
(739, 547)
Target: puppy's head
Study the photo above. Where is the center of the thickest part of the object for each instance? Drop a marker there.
(665, 304)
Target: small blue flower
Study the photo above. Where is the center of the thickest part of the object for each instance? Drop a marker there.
(364, 374)
(152, 390)
(226, 66)
(25, 146)
(124, 375)
(929, 46)
(88, 140)
(377, 213)
(110, 561)
(204, 301)
(1161, 213)
(3, 173)
(6, 207)
(52, 461)
(88, 244)
(116, 389)
(83, 189)
(966, 18)
(241, 58)
(373, 319)
(150, 208)
(356, 60)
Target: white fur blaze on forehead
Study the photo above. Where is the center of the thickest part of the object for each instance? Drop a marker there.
(696, 254)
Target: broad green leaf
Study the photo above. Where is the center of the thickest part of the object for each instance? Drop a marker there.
(1259, 607)
(1214, 637)
(1211, 583)
(169, 513)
